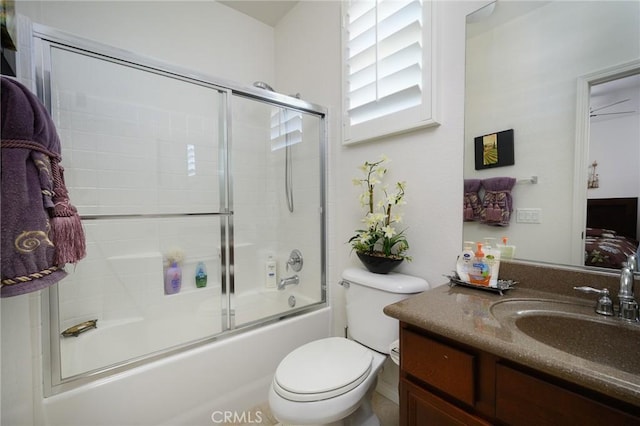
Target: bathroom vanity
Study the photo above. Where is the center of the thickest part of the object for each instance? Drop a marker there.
(528, 357)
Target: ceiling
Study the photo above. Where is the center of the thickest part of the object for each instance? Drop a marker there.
(267, 11)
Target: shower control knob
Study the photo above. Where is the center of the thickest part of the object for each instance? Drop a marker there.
(295, 260)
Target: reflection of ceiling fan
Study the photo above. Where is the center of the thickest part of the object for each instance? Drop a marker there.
(592, 111)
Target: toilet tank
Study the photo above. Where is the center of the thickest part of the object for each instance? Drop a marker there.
(367, 294)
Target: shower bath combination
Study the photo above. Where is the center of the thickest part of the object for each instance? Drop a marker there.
(218, 219)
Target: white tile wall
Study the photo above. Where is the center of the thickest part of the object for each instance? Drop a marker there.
(125, 146)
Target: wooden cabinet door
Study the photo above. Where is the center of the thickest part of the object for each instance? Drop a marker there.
(449, 369)
(419, 407)
(524, 400)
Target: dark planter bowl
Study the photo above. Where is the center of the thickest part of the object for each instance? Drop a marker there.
(378, 264)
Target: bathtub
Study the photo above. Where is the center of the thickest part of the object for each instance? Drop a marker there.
(179, 319)
(231, 374)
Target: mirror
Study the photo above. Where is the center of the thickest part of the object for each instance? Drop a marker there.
(527, 66)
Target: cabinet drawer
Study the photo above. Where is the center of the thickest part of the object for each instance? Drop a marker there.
(449, 369)
(526, 400)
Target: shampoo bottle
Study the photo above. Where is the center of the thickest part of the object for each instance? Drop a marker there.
(464, 263)
(173, 279)
(480, 272)
(201, 275)
(271, 273)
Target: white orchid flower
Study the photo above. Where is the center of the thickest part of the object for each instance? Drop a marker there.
(389, 232)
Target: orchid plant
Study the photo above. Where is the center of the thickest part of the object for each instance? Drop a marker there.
(380, 237)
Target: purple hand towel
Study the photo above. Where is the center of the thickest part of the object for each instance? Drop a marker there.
(471, 204)
(40, 230)
(497, 203)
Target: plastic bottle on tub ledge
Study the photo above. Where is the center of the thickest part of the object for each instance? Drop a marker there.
(173, 279)
(201, 275)
(271, 273)
(173, 274)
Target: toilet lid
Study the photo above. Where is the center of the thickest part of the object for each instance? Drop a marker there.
(322, 369)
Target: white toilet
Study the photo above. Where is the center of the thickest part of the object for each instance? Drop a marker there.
(331, 381)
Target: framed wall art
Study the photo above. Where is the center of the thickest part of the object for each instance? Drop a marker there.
(494, 150)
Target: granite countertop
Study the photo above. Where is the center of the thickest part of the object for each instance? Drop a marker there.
(464, 315)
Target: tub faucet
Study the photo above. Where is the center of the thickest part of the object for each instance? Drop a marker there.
(627, 303)
(293, 280)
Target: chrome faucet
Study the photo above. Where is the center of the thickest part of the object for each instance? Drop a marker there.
(628, 307)
(604, 306)
(293, 280)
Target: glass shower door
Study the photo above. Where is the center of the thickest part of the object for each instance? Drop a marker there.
(277, 199)
(141, 151)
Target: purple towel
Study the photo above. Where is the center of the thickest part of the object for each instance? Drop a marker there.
(497, 203)
(40, 230)
(471, 204)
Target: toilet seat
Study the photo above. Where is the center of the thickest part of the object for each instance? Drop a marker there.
(322, 369)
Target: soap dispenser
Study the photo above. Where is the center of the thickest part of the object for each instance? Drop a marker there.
(480, 272)
(463, 265)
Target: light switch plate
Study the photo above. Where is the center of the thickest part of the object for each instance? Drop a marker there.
(528, 215)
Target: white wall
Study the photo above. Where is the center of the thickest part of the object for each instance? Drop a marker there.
(613, 143)
(201, 35)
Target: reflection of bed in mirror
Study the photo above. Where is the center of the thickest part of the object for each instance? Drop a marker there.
(611, 232)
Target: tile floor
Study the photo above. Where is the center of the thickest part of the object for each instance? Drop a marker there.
(387, 411)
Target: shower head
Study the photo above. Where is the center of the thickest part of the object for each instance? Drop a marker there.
(263, 85)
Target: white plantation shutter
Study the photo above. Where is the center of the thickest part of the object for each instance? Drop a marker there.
(387, 67)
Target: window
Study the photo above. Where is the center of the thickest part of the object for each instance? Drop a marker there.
(388, 69)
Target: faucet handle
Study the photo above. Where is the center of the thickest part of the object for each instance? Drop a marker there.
(604, 306)
(632, 262)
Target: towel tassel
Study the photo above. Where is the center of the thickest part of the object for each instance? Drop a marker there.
(468, 212)
(66, 226)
